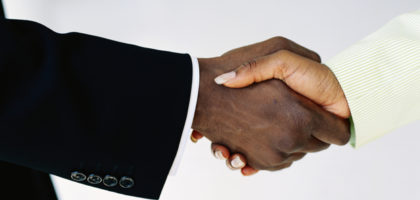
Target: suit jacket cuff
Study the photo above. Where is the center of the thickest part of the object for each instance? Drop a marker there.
(190, 116)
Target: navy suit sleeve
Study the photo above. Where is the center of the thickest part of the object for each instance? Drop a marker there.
(74, 102)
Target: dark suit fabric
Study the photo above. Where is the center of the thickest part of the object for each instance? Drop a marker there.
(74, 102)
(22, 183)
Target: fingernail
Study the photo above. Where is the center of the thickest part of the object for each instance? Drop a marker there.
(229, 165)
(237, 162)
(193, 139)
(219, 155)
(225, 77)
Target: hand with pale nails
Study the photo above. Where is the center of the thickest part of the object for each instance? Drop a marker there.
(301, 71)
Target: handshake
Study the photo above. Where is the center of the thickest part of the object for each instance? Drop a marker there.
(269, 125)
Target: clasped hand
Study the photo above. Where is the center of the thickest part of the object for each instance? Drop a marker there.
(269, 125)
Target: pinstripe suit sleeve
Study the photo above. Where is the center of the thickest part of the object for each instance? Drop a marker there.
(380, 76)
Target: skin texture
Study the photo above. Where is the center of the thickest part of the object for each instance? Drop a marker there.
(270, 124)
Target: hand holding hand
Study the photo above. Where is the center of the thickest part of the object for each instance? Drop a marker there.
(271, 124)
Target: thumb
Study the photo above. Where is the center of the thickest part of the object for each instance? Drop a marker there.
(257, 70)
(248, 73)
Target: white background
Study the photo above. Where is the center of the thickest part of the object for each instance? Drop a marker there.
(387, 168)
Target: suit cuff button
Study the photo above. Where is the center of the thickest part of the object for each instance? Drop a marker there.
(126, 182)
(110, 181)
(94, 179)
(78, 176)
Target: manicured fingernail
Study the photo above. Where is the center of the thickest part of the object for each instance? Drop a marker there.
(229, 165)
(219, 155)
(225, 77)
(237, 162)
(193, 139)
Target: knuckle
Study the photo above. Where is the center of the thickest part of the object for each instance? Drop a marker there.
(315, 56)
(280, 158)
(286, 165)
(282, 54)
(344, 139)
(278, 38)
(324, 146)
(252, 67)
(275, 159)
(343, 133)
(259, 165)
(248, 66)
(297, 156)
(280, 167)
(303, 117)
(280, 41)
(281, 58)
(289, 142)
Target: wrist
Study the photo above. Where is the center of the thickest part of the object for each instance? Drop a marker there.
(208, 71)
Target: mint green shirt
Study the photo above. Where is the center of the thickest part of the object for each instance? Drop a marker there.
(380, 77)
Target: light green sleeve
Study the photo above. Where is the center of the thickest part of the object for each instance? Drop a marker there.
(380, 76)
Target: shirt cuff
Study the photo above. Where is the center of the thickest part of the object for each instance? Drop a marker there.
(190, 116)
